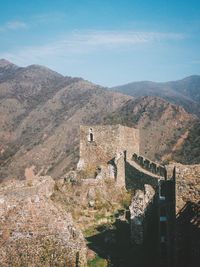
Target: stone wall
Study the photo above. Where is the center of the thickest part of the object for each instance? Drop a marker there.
(150, 166)
(128, 140)
(136, 178)
(140, 206)
(120, 169)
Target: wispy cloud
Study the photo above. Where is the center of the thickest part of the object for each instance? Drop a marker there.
(13, 25)
(122, 38)
(196, 61)
(87, 42)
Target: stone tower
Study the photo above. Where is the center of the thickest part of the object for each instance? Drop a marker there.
(108, 145)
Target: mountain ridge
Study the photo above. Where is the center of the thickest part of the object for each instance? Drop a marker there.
(184, 92)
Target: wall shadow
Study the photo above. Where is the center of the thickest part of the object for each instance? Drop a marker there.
(113, 243)
(188, 235)
(134, 179)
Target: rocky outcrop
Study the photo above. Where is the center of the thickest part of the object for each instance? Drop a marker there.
(34, 231)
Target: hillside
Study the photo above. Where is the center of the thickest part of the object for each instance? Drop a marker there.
(185, 92)
(165, 129)
(40, 114)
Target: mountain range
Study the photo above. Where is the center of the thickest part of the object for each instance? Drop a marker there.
(185, 92)
(41, 111)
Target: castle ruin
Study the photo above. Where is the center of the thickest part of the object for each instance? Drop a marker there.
(113, 152)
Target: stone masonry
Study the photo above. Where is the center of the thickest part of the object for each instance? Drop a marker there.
(105, 148)
(99, 144)
(140, 204)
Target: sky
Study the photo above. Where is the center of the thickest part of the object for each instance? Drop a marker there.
(108, 42)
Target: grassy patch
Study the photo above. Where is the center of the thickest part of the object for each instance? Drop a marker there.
(97, 262)
(126, 200)
(90, 231)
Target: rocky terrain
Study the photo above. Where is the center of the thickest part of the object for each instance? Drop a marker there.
(42, 222)
(183, 92)
(34, 231)
(90, 201)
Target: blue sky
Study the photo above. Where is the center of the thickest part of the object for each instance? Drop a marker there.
(109, 42)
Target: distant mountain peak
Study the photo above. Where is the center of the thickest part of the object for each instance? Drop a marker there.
(5, 63)
(42, 69)
(37, 66)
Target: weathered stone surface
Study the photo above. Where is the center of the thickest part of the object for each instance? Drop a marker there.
(120, 166)
(33, 230)
(188, 210)
(104, 150)
(187, 184)
(108, 140)
(138, 209)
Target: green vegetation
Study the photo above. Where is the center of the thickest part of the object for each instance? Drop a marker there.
(97, 261)
(126, 199)
(90, 231)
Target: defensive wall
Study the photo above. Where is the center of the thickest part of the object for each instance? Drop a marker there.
(150, 166)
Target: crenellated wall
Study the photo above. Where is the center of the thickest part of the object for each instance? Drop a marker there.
(150, 166)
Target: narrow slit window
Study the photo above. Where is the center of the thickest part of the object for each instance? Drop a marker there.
(91, 137)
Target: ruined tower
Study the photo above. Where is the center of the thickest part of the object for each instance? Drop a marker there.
(107, 146)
